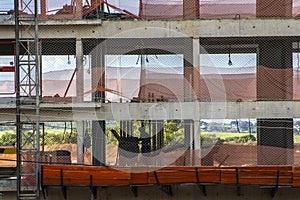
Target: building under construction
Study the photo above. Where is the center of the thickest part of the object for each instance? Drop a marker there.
(155, 94)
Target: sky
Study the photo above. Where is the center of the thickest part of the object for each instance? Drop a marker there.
(130, 5)
(6, 5)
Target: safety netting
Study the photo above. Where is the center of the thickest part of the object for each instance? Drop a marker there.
(157, 9)
(236, 9)
(157, 82)
(164, 77)
(137, 70)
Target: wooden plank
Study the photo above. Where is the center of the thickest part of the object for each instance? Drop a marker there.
(51, 181)
(209, 175)
(96, 181)
(261, 175)
(228, 176)
(80, 175)
(51, 177)
(139, 176)
(296, 176)
(185, 175)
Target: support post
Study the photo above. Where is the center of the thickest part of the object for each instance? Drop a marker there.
(98, 86)
(79, 98)
(160, 130)
(80, 71)
(78, 9)
(43, 9)
(238, 187)
(202, 187)
(271, 8)
(191, 92)
(275, 189)
(154, 135)
(80, 141)
(196, 91)
(98, 143)
(191, 9)
(196, 144)
(188, 141)
(165, 188)
(93, 188)
(275, 81)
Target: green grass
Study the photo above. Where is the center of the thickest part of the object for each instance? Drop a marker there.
(296, 138)
(224, 135)
(7, 131)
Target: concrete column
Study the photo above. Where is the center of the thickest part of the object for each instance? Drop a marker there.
(78, 9)
(98, 87)
(80, 139)
(154, 134)
(188, 96)
(141, 8)
(191, 9)
(98, 143)
(79, 98)
(98, 74)
(160, 136)
(196, 143)
(196, 86)
(192, 71)
(271, 8)
(191, 91)
(43, 10)
(196, 69)
(188, 141)
(275, 81)
(80, 71)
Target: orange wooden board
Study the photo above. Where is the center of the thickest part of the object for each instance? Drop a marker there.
(81, 175)
(258, 175)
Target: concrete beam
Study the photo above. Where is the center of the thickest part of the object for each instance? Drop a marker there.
(159, 111)
(188, 28)
(161, 28)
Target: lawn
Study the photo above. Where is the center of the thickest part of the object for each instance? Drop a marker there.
(226, 135)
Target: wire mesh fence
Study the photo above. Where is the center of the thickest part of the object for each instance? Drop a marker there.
(164, 71)
(156, 9)
(159, 72)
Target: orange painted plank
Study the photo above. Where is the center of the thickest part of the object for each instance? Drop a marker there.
(100, 174)
(185, 175)
(296, 176)
(51, 181)
(86, 181)
(51, 177)
(125, 176)
(258, 175)
(139, 176)
(80, 175)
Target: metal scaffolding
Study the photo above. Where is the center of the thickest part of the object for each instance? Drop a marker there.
(27, 99)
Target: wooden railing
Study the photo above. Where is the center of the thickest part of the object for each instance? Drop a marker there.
(95, 176)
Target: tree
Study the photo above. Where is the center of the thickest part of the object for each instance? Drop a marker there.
(174, 133)
(215, 127)
(8, 139)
